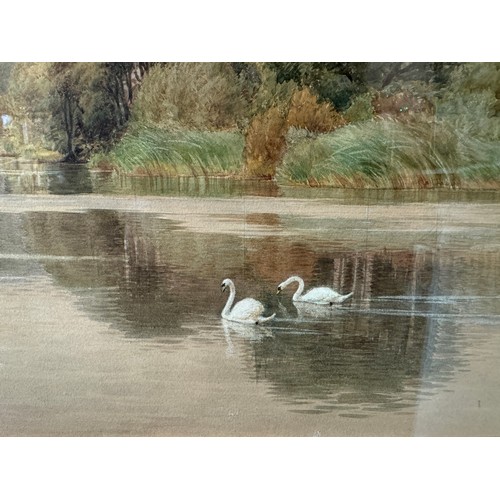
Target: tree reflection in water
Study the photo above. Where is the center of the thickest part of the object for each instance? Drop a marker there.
(353, 359)
(150, 277)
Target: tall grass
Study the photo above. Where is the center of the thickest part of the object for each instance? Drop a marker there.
(390, 154)
(150, 150)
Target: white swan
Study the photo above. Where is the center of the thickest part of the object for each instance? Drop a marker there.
(321, 295)
(247, 311)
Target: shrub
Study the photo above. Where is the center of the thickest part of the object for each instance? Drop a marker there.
(266, 135)
(470, 103)
(265, 143)
(361, 109)
(189, 95)
(305, 112)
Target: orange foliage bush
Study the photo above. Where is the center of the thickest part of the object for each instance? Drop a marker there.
(305, 112)
(265, 143)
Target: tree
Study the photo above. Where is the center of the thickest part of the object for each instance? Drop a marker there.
(91, 103)
(5, 71)
(382, 74)
(26, 100)
(336, 83)
(196, 96)
(66, 95)
(118, 84)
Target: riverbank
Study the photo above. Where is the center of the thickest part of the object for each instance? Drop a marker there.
(38, 156)
(395, 155)
(376, 154)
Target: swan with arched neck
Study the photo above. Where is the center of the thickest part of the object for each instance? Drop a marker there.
(321, 295)
(247, 311)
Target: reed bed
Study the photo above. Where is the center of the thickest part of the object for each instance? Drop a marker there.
(155, 151)
(387, 153)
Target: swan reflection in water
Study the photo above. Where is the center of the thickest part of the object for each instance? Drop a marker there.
(248, 332)
(308, 310)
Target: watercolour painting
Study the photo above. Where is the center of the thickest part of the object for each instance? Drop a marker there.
(141, 202)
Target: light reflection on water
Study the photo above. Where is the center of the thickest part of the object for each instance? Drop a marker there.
(420, 313)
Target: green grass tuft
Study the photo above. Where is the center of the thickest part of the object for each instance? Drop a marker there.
(390, 154)
(157, 151)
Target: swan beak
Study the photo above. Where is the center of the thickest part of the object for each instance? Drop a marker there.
(278, 291)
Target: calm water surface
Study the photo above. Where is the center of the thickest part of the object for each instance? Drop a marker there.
(111, 303)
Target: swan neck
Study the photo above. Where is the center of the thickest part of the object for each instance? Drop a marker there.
(230, 300)
(300, 289)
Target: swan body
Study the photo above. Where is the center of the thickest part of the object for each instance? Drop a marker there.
(248, 311)
(321, 295)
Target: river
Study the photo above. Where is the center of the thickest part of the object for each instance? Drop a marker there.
(110, 297)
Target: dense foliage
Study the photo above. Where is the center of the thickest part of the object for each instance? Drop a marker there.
(349, 124)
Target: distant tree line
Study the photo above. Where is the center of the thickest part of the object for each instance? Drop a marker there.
(84, 109)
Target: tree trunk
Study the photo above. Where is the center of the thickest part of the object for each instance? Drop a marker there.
(114, 92)
(25, 132)
(118, 91)
(130, 97)
(68, 125)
